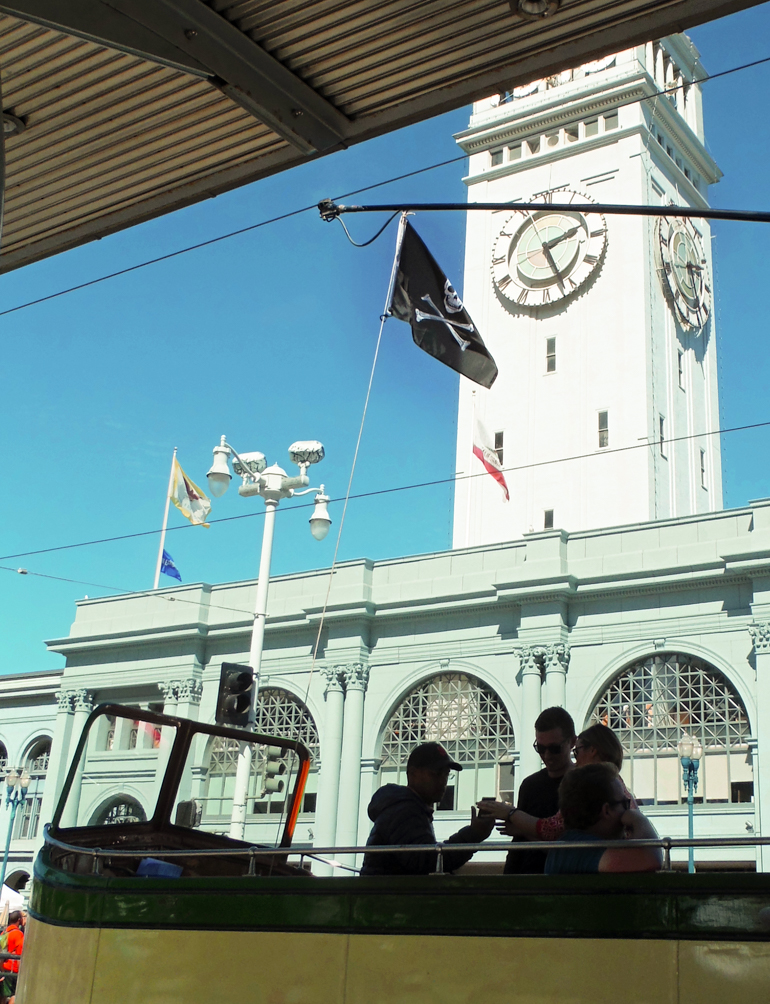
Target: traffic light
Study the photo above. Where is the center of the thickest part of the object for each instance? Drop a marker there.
(274, 766)
(236, 692)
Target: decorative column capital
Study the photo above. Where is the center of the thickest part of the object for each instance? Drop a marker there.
(356, 676)
(65, 700)
(170, 690)
(334, 679)
(82, 701)
(556, 657)
(190, 691)
(531, 659)
(760, 636)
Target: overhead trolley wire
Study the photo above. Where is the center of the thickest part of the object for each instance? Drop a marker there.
(304, 209)
(644, 445)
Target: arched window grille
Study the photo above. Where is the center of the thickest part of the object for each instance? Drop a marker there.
(36, 765)
(3, 759)
(469, 720)
(652, 702)
(279, 714)
(122, 809)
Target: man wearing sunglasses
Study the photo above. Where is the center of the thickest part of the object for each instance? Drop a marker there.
(539, 793)
(595, 807)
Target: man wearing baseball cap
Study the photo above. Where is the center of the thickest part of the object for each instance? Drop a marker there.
(404, 815)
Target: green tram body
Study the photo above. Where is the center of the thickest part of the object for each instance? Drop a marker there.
(108, 936)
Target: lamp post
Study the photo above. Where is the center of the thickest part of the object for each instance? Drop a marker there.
(273, 485)
(15, 793)
(690, 752)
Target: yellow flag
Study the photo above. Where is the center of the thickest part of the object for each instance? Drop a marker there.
(188, 498)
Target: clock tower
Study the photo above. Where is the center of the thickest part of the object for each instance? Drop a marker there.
(606, 405)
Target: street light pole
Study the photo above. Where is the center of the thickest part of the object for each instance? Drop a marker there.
(16, 792)
(272, 484)
(690, 752)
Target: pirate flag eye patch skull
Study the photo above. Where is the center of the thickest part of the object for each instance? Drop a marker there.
(441, 326)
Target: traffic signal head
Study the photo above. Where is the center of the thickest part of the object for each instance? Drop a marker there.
(236, 694)
(273, 767)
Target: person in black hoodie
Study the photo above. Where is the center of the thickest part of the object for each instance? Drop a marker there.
(404, 815)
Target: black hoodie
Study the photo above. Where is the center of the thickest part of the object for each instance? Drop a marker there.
(401, 817)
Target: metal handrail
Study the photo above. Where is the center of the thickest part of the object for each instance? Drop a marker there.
(666, 844)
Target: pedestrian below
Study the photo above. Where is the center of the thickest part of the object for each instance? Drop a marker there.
(596, 744)
(403, 814)
(595, 808)
(10, 968)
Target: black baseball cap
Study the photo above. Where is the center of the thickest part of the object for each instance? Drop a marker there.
(433, 756)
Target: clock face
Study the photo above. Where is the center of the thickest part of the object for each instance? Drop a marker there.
(547, 255)
(684, 272)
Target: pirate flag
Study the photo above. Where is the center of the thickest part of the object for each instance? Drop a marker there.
(441, 326)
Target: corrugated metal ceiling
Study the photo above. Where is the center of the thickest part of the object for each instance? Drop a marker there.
(118, 133)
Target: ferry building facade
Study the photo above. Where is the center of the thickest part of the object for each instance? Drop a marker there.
(612, 584)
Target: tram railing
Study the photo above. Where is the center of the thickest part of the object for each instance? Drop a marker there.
(328, 855)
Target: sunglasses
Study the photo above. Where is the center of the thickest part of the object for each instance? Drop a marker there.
(552, 748)
(625, 802)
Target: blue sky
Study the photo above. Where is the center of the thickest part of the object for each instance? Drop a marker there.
(268, 337)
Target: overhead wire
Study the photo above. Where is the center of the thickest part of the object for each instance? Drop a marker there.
(346, 195)
(598, 454)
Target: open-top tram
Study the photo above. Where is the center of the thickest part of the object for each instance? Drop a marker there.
(173, 911)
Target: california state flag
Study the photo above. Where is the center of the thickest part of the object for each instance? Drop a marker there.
(188, 497)
(483, 448)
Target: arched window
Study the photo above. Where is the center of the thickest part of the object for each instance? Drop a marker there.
(652, 702)
(119, 810)
(279, 714)
(469, 720)
(36, 765)
(3, 760)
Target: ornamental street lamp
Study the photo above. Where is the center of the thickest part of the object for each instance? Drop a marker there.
(15, 793)
(272, 484)
(690, 752)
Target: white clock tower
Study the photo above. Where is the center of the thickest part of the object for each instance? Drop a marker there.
(606, 403)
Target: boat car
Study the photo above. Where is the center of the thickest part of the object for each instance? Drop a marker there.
(172, 909)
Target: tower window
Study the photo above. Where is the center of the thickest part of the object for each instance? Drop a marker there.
(548, 519)
(496, 157)
(534, 145)
(592, 127)
(610, 121)
(550, 355)
(552, 139)
(499, 446)
(604, 430)
(703, 469)
(514, 152)
(680, 364)
(662, 435)
(571, 134)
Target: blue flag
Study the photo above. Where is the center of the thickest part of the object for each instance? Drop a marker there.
(168, 567)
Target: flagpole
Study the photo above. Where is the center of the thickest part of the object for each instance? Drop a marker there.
(470, 485)
(165, 522)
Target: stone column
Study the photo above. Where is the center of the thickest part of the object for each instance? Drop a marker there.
(331, 752)
(83, 706)
(356, 680)
(556, 663)
(760, 636)
(530, 680)
(58, 762)
(170, 691)
(188, 699)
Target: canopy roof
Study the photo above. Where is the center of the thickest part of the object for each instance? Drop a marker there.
(133, 108)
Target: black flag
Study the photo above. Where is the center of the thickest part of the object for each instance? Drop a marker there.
(441, 326)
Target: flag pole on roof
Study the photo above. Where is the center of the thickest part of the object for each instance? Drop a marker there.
(162, 543)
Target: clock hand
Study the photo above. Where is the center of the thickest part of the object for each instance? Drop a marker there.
(565, 236)
(549, 256)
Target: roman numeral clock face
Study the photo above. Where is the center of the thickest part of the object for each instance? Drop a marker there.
(547, 255)
(684, 272)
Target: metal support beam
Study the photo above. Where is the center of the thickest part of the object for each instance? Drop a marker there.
(190, 36)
